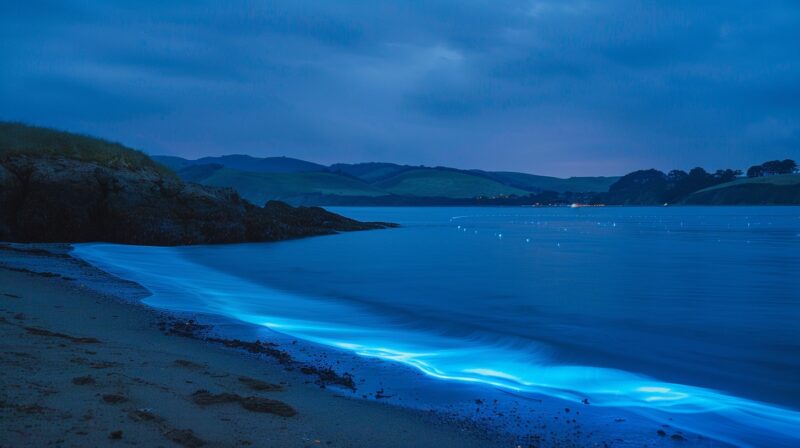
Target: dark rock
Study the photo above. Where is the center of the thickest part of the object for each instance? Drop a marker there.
(661, 433)
(46, 197)
(115, 435)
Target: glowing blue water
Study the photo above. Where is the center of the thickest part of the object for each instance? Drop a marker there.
(680, 310)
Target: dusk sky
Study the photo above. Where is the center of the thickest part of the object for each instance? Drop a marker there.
(549, 87)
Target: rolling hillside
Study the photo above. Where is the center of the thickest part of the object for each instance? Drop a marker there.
(780, 189)
(297, 181)
(532, 182)
(369, 172)
(21, 139)
(445, 183)
(261, 187)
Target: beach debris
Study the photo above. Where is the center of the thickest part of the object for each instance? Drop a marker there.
(189, 364)
(259, 385)
(184, 437)
(188, 328)
(114, 398)
(254, 404)
(53, 334)
(31, 408)
(380, 394)
(259, 404)
(257, 347)
(83, 380)
(115, 435)
(144, 415)
(205, 398)
(326, 376)
(104, 364)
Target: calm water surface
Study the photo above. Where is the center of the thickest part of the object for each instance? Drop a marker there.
(688, 309)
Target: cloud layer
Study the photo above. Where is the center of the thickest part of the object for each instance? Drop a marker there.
(551, 87)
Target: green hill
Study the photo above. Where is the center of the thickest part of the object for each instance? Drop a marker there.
(369, 172)
(445, 183)
(18, 138)
(779, 190)
(783, 179)
(261, 187)
(532, 182)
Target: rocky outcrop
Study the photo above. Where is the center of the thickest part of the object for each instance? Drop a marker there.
(51, 198)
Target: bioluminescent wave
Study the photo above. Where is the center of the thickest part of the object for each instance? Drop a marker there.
(522, 364)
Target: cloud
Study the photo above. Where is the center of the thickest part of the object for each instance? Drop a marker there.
(554, 87)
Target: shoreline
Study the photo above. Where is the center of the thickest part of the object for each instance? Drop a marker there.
(469, 416)
(84, 368)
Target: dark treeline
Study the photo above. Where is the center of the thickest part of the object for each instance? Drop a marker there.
(656, 187)
(772, 168)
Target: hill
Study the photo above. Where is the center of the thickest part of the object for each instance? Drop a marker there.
(445, 183)
(245, 163)
(369, 172)
(61, 187)
(18, 139)
(779, 190)
(373, 183)
(261, 187)
(533, 183)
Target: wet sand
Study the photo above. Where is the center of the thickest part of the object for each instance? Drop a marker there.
(83, 369)
(84, 363)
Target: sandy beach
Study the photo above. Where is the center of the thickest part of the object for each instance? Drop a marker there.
(83, 369)
(86, 363)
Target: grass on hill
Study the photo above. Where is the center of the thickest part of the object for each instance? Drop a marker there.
(533, 182)
(780, 179)
(445, 183)
(370, 172)
(260, 187)
(19, 138)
